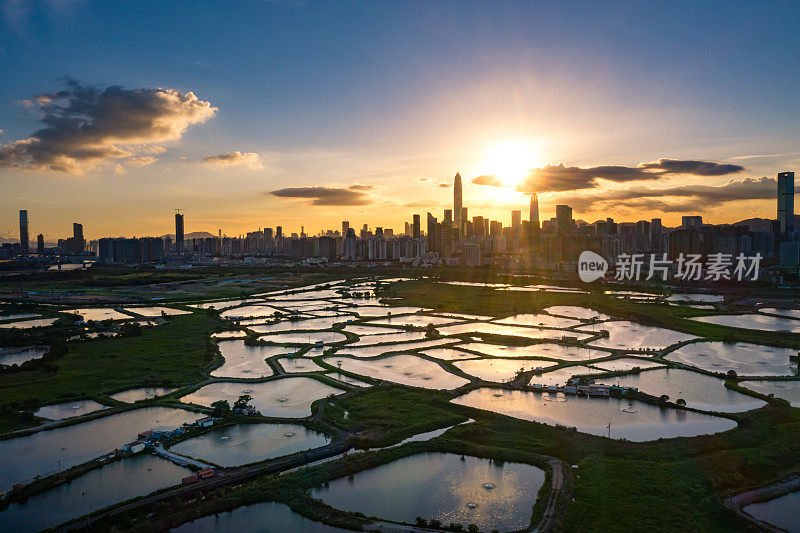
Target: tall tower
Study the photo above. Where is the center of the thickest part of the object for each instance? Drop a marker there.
(786, 202)
(178, 233)
(23, 231)
(457, 203)
(534, 211)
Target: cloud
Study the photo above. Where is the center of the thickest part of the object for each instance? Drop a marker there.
(360, 187)
(489, 179)
(250, 160)
(326, 195)
(141, 161)
(694, 168)
(87, 126)
(559, 178)
(445, 184)
(678, 199)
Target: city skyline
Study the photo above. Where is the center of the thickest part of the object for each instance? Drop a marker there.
(279, 138)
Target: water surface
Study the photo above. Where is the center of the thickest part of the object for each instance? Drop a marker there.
(144, 393)
(441, 486)
(26, 324)
(632, 336)
(700, 391)
(539, 319)
(781, 512)
(21, 356)
(244, 361)
(248, 443)
(788, 390)
(744, 358)
(583, 313)
(632, 420)
(406, 369)
(753, 321)
(267, 517)
(289, 397)
(61, 411)
(48, 451)
(112, 483)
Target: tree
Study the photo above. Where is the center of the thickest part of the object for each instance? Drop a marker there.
(221, 408)
(420, 522)
(663, 399)
(732, 374)
(680, 401)
(243, 400)
(472, 528)
(434, 523)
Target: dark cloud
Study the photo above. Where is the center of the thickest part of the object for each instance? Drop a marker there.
(360, 187)
(489, 179)
(677, 199)
(695, 168)
(445, 184)
(325, 195)
(559, 178)
(86, 126)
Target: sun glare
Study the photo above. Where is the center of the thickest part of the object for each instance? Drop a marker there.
(510, 161)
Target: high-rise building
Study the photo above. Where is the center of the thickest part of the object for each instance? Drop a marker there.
(178, 233)
(23, 231)
(40, 244)
(563, 219)
(79, 243)
(457, 203)
(786, 202)
(278, 232)
(516, 220)
(534, 214)
(692, 222)
(416, 227)
(345, 227)
(433, 234)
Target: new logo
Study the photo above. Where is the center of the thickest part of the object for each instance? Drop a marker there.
(591, 266)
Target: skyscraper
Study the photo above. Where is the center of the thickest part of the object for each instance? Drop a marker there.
(416, 227)
(457, 203)
(534, 211)
(178, 233)
(516, 220)
(77, 236)
(563, 219)
(345, 227)
(40, 244)
(23, 231)
(785, 202)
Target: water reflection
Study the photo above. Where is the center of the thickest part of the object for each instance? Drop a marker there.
(47, 452)
(98, 488)
(402, 368)
(636, 421)
(444, 487)
(287, 397)
(269, 517)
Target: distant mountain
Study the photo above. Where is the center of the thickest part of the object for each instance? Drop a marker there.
(3, 240)
(756, 224)
(192, 235)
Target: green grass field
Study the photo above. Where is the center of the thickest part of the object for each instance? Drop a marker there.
(172, 354)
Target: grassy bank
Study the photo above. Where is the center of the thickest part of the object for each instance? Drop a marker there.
(173, 354)
(487, 301)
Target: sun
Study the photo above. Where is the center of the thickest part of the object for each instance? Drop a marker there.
(511, 161)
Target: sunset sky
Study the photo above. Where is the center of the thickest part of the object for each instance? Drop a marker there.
(262, 113)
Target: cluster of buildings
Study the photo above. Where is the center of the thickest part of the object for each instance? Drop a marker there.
(457, 239)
